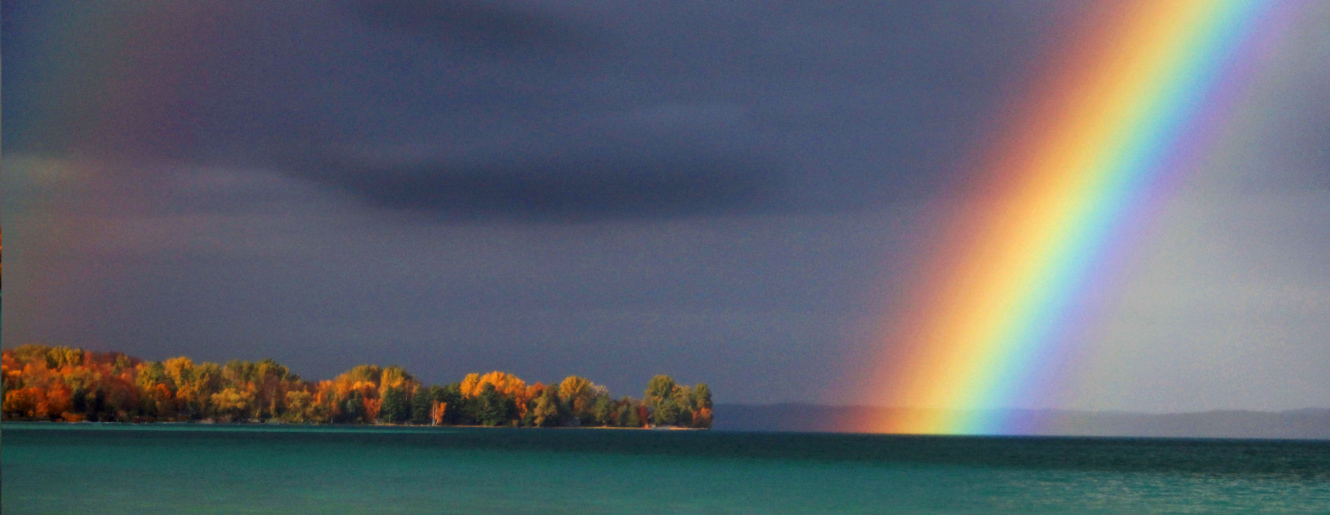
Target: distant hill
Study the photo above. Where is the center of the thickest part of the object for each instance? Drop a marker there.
(1296, 424)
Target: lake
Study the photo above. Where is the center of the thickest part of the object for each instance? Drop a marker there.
(88, 468)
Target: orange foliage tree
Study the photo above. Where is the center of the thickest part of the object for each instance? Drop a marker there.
(62, 383)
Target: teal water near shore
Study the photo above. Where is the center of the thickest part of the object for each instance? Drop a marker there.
(86, 468)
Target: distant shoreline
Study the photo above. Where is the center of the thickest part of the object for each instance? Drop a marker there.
(1297, 424)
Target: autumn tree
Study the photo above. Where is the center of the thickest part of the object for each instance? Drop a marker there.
(299, 407)
(232, 404)
(580, 396)
(395, 386)
(62, 383)
(702, 405)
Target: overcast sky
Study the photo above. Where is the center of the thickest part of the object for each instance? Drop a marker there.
(723, 191)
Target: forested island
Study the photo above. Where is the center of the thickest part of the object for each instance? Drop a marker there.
(54, 383)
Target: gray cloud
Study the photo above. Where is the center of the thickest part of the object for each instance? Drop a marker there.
(539, 190)
(592, 110)
(674, 160)
(737, 191)
(498, 26)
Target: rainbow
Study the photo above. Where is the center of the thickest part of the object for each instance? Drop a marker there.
(1107, 123)
(93, 84)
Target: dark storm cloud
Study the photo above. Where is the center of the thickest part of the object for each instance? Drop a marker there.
(483, 23)
(666, 161)
(569, 111)
(544, 189)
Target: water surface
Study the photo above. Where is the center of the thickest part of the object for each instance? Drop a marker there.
(85, 468)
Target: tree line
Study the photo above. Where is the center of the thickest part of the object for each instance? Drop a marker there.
(73, 385)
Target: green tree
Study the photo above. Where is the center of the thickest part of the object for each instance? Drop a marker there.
(581, 395)
(629, 417)
(458, 405)
(667, 413)
(396, 409)
(421, 404)
(148, 406)
(494, 409)
(659, 388)
(546, 411)
(603, 411)
(683, 398)
(353, 408)
(702, 396)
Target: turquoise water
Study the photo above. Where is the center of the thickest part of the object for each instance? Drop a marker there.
(53, 468)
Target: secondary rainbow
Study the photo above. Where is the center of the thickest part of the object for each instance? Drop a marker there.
(1108, 121)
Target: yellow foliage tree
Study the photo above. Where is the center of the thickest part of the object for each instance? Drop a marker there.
(469, 386)
(232, 403)
(506, 384)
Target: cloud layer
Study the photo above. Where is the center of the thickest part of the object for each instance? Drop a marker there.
(730, 191)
